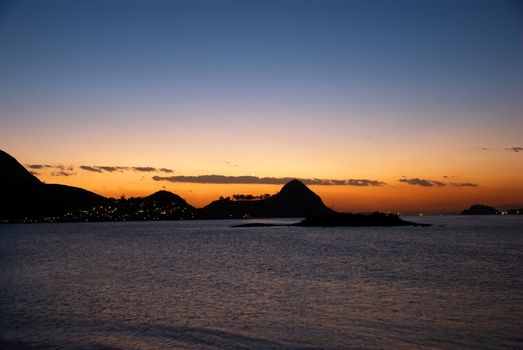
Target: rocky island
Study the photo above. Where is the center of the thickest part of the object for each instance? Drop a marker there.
(335, 219)
(480, 209)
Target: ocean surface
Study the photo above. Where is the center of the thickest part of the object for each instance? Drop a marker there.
(205, 285)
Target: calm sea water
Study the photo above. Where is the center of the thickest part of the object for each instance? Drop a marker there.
(204, 285)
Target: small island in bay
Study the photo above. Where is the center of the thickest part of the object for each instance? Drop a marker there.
(480, 209)
(335, 219)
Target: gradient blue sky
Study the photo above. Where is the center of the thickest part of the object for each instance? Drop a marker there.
(460, 55)
(383, 86)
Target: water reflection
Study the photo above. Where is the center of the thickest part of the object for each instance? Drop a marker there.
(205, 285)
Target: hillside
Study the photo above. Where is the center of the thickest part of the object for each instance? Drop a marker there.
(24, 196)
(294, 200)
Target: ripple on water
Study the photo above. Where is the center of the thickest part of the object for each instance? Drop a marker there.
(204, 285)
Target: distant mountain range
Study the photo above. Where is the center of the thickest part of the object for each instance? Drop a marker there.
(26, 198)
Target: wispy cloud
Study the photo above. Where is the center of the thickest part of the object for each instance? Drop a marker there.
(62, 169)
(112, 169)
(434, 183)
(93, 169)
(47, 166)
(364, 182)
(146, 169)
(62, 173)
(222, 179)
(515, 149)
(463, 184)
(422, 182)
(35, 166)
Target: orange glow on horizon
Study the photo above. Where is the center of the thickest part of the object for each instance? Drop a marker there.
(391, 197)
(496, 172)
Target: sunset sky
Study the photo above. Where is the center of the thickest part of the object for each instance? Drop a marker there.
(412, 106)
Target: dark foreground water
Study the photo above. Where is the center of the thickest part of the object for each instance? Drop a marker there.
(204, 285)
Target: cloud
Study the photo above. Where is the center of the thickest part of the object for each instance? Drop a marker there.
(509, 149)
(112, 169)
(62, 173)
(147, 169)
(102, 168)
(463, 184)
(222, 179)
(35, 166)
(34, 173)
(422, 182)
(44, 166)
(91, 168)
(364, 182)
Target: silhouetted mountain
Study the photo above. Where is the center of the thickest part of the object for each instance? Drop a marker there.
(162, 205)
(24, 196)
(480, 209)
(294, 200)
(13, 174)
(166, 198)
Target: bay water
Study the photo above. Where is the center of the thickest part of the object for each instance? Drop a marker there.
(205, 285)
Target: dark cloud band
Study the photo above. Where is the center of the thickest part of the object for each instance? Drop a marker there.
(434, 183)
(47, 166)
(222, 179)
(422, 182)
(91, 168)
(463, 184)
(112, 169)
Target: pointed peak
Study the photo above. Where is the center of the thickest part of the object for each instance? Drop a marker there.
(296, 189)
(294, 185)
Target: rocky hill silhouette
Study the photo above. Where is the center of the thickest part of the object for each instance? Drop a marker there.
(480, 209)
(294, 200)
(167, 198)
(24, 196)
